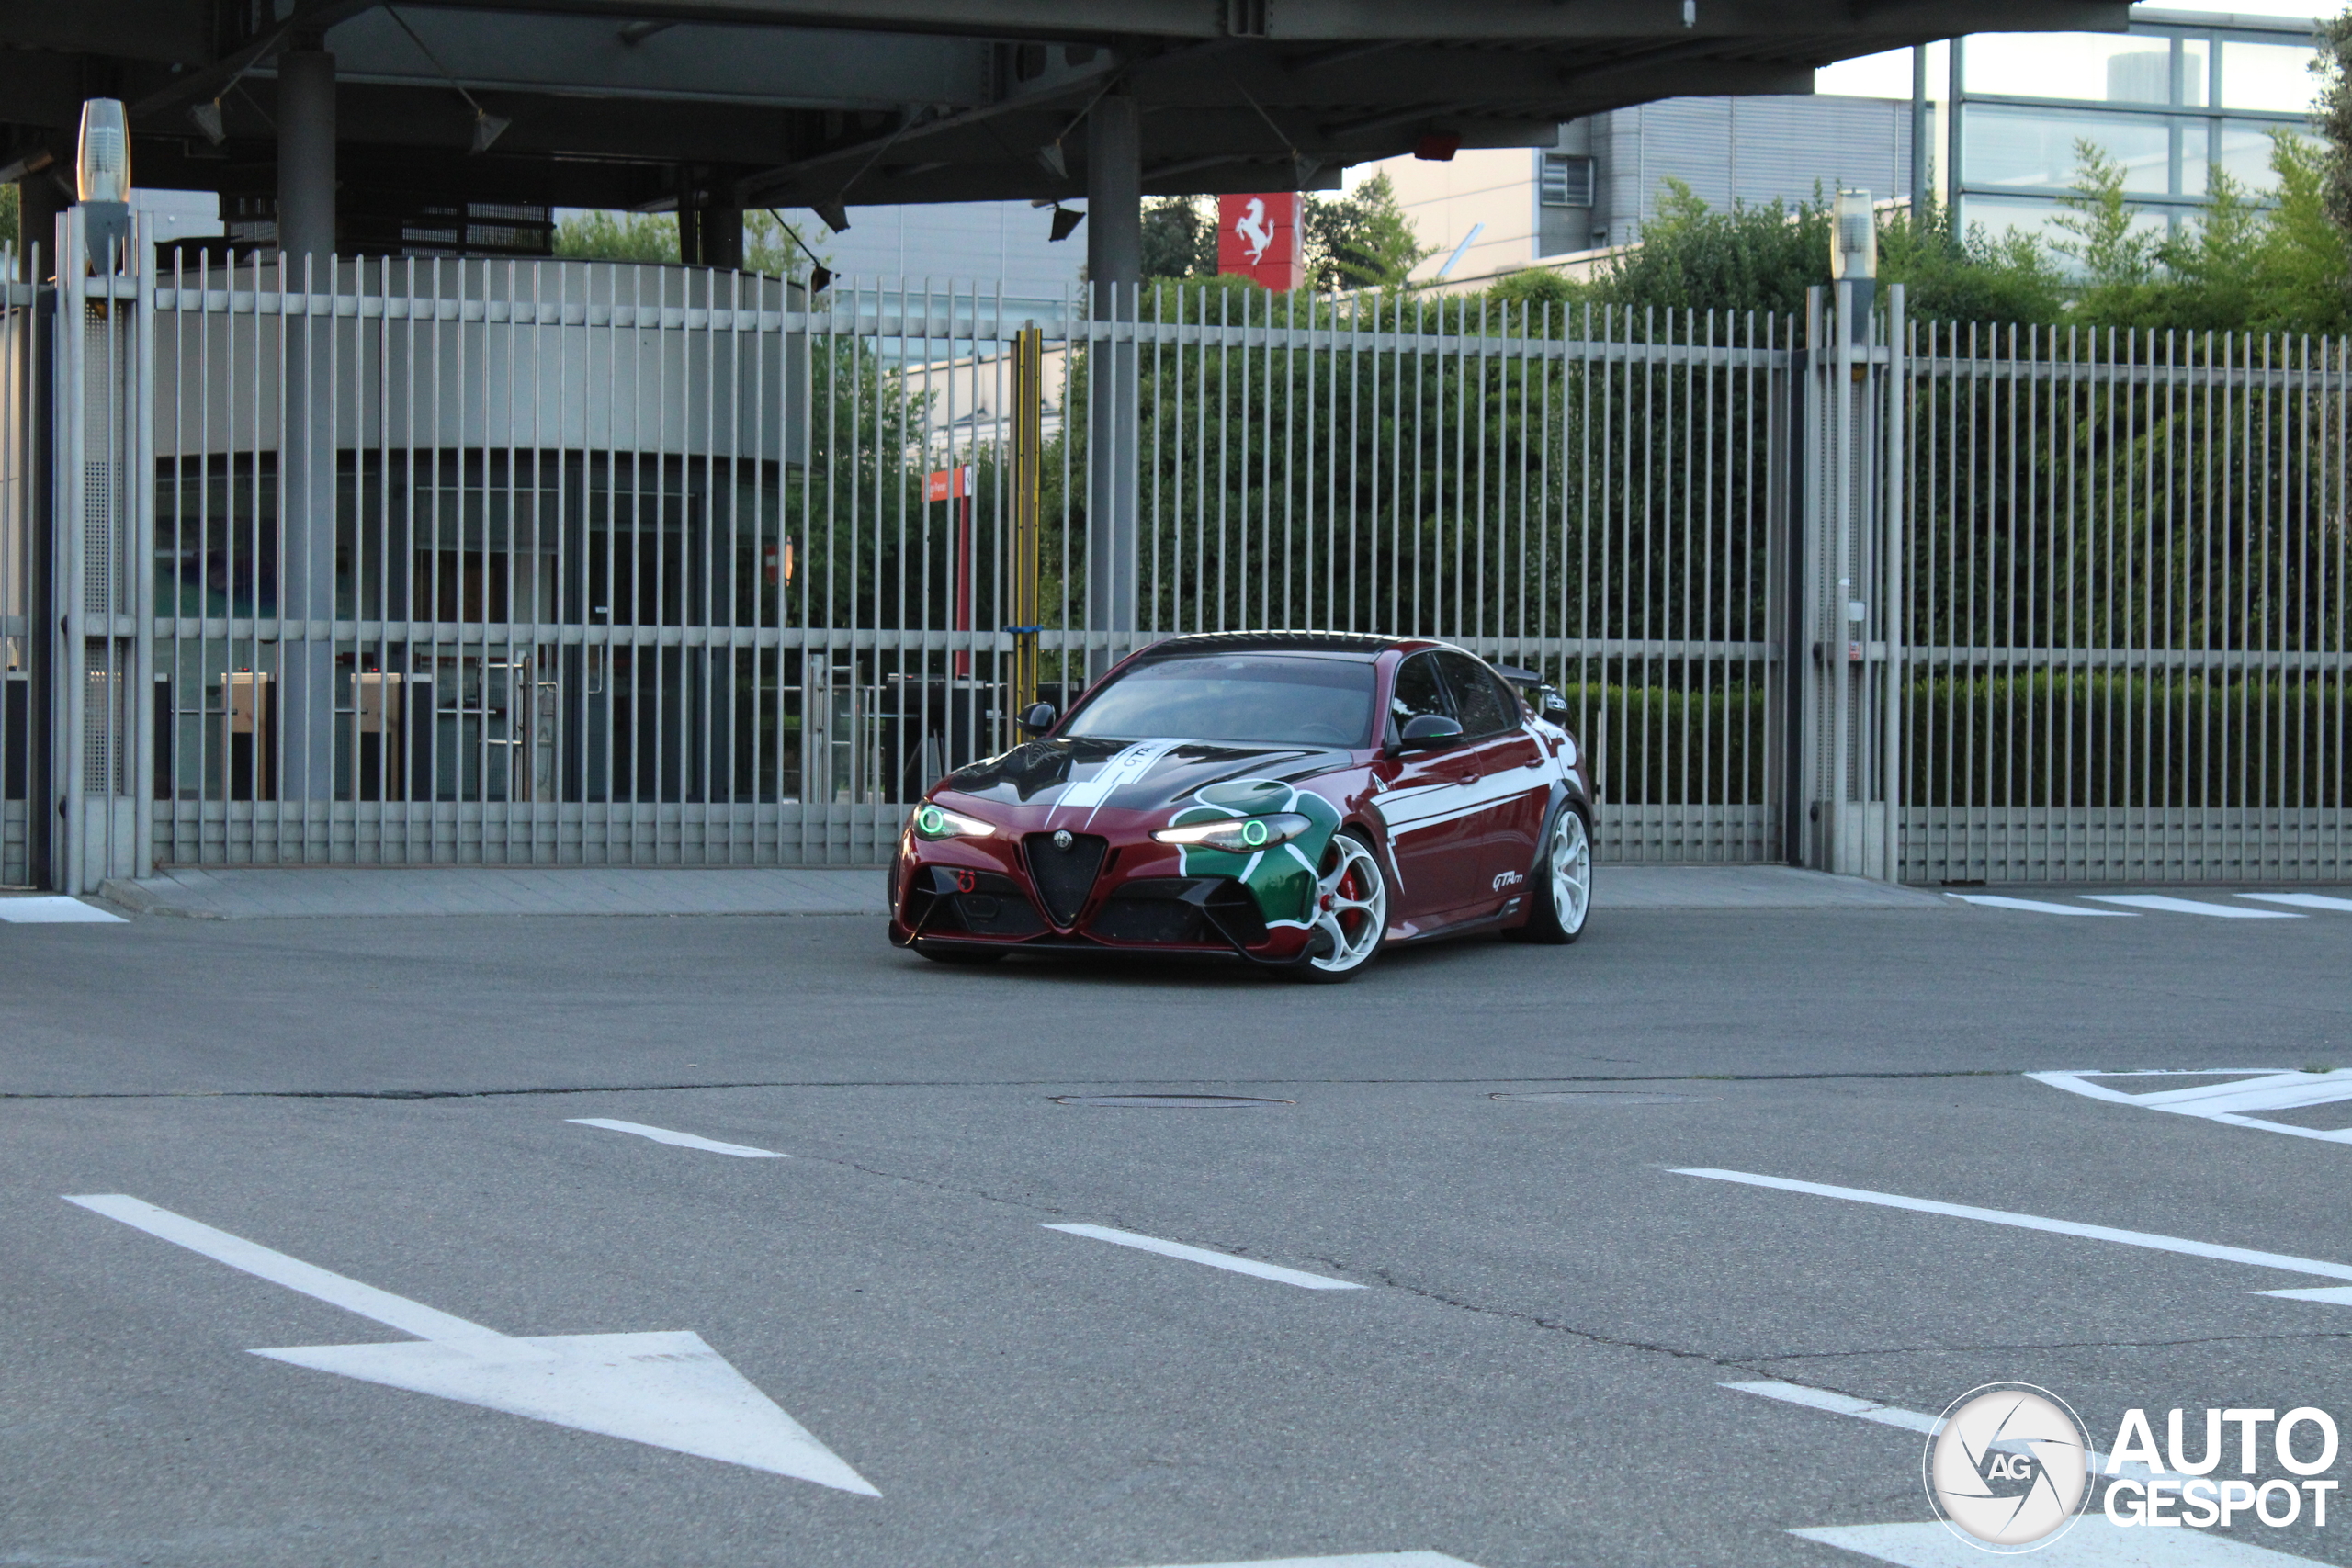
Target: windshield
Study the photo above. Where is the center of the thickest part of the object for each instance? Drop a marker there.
(1288, 699)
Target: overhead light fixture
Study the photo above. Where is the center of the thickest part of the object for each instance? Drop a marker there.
(1050, 155)
(1066, 223)
(820, 279)
(208, 120)
(487, 128)
(1305, 169)
(1438, 147)
(833, 214)
(102, 156)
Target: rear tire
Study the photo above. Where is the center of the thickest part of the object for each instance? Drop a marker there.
(1561, 903)
(1351, 912)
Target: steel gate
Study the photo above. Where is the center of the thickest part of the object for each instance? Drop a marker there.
(436, 562)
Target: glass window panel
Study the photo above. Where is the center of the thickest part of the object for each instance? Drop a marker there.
(2268, 76)
(2113, 68)
(2001, 146)
(2245, 156)
(1997, 214)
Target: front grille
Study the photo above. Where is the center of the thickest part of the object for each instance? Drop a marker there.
(1132, 915)
(998, 914)
(1064, 877)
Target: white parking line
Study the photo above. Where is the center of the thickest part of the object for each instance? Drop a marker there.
(54, 911)
(2093, 1543)
(1274, 1272)
(1359, 1560)
(2154, 1243)
(682, 1140)
(2260, 1089)
(2302, 901)
(2038, 907)
(1912, 1421)
(2190, 907)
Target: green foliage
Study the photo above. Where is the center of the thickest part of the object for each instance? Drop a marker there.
(619, 236)
(1180, 238)
(1695, 258)
(2333, 120)
(2105, 739)
(1360, 241)
(8, 221)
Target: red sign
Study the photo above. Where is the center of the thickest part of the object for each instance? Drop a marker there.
(1258, 236)
(948, 484)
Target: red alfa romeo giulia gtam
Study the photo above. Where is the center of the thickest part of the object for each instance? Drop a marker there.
(1298, 799)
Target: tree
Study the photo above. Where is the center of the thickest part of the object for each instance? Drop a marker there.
(619, 236)
(1179, 238)
(2334, 67)
(1360, 241)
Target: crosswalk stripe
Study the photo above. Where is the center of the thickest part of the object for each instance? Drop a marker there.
(2190, 907)
(2038, 907)
(2260, 1090)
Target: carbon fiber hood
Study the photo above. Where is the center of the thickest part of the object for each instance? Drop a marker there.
(1132, 775)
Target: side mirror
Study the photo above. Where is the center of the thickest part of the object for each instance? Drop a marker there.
(1426, 730)
(1037, 717)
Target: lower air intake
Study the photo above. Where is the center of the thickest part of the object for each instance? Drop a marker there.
(1064, 877)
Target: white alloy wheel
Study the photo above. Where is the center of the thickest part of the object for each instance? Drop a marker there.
(1351, 909)
(1568, 859)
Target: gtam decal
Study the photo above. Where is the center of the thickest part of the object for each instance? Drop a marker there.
(1506, 879)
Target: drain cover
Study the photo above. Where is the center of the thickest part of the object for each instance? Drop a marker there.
(1168, 1101)
(1602, 1097)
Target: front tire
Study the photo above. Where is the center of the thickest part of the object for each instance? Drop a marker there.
(1351, 912)
(1563, 893)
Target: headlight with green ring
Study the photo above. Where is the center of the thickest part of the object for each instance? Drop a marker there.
(938, 822)
(1238, 835)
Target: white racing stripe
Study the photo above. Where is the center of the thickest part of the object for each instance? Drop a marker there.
(1121, 769)
(682, 1140)
(2278, 1260)
(1274, 1272)
(2038, 907)
(2190, 907)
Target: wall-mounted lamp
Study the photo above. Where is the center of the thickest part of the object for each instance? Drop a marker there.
(487, 128)
(102, 156)
(1853, 237)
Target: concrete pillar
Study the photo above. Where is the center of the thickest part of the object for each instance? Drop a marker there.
(306, 240)
(306, 149)
(39, 202)
(722, 236)
(1114, 269)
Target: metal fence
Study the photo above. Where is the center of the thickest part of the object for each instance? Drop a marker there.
(421, 562)
(2124, 569)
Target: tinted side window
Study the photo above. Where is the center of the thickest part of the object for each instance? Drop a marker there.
(1477, 695)
(1418, 691)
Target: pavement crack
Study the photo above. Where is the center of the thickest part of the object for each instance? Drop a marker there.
(2309, 1336)
(556, 1089)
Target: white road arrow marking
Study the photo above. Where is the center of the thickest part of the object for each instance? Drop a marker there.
(2039, 906)
(2190, 907)
(668, 1389)
(2255, 1089)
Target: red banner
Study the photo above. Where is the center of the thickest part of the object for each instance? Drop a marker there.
(1258, 236)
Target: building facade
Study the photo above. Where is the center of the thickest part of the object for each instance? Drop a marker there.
(1989, 123)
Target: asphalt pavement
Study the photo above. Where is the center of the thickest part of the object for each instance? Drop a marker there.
(749, 1241)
